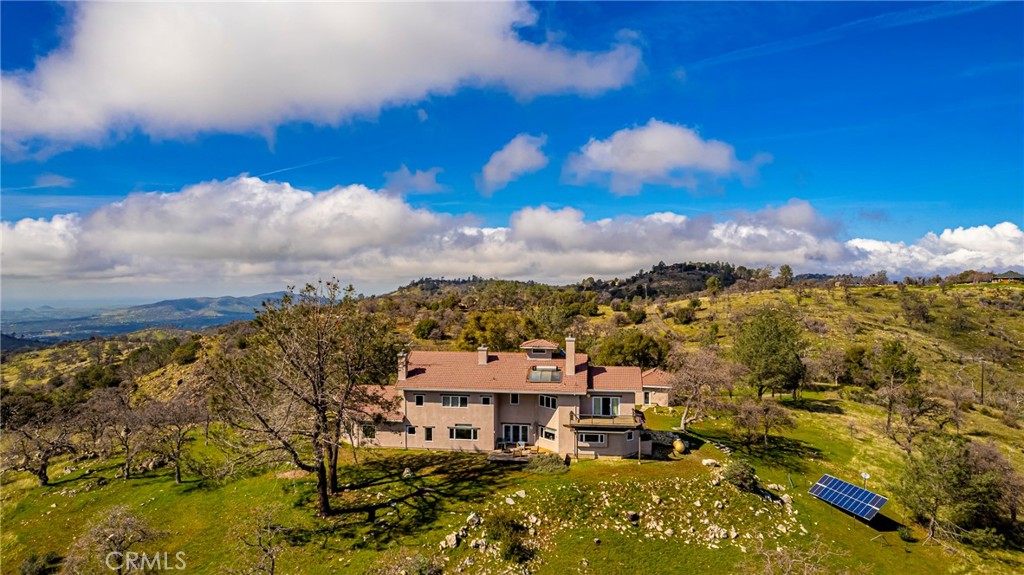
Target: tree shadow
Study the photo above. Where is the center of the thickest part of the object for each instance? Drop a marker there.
(830, 406)
(782, 452)
(383, 502)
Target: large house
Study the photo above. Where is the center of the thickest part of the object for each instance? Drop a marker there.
(541, 396)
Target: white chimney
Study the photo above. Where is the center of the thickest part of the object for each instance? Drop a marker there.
(570, 355)
(403, 366)
(481, 355)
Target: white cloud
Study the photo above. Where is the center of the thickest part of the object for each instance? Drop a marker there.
(422, 115)
(994, 248)
(216, 236)
(53, 181)
(402, 181)
(657, 153)
(173, 69)
(521, 156)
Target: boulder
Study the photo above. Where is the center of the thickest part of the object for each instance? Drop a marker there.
(407, 473)
(656, 499)
(473, 520)
(510, 501)
(452, 540)
(710, 462)
(521, 494)
(633, 516)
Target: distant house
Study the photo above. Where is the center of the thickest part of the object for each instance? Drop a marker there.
(1009, 278)
(541, 396)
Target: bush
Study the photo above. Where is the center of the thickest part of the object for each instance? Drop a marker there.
(503, 527)
(905, 534)
(187, 352)
(740, 474)
(637, 316)
(547, 464)
(425, 327)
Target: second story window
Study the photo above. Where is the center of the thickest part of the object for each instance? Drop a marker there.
(513, 398)
(419, 400)
(454, 401)
(548, 401)
(545, 374)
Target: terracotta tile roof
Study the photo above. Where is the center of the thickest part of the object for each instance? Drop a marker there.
(504, 372)
(615, 378)
(539, 344)
(392, 412)
(657, 378)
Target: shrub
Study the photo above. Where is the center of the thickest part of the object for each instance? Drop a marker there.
(740, 474)
(503, 527)
(905, 534)
(637, 316)
(425, 327)
(547, 464)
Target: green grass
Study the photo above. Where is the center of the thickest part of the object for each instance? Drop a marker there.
(385, 511)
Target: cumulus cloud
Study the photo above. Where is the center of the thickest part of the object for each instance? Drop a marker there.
(402, 181)
(247, 231)
(657, 153)
(172, 69)
(521, 156)
(997, 247)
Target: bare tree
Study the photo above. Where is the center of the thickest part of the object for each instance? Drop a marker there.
(915, 410)
(173, 421)
(894, 367)
(260, 537)
(107, 542)
(127, 424)
(761, 417)
(281, 392)
(699, 379)
(35, 432)
(831, 363)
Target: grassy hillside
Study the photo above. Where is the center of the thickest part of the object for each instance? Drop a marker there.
(579, 521)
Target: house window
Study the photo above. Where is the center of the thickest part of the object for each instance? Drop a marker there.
(513, 398)
(410, 429)
(485, 400)
(428, 434)
(369, 432)
(592, 438)
(548, 401)
(647, 398)
(607, 406)
(454, 401)
(419, 400)
(547, 433)
(462, 431)
(629, 436)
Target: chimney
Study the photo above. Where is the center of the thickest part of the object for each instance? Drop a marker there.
(570, 355)
(403, 366)
(481, 355)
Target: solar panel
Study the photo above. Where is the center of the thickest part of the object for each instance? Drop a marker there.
(847, 496)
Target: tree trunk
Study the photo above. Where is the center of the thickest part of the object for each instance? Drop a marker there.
(333, 446)
(44, 478)
(682, 420)
(322, 498)
(177, 470)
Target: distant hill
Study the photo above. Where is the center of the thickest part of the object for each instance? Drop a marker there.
(51, 324)
(12, 343)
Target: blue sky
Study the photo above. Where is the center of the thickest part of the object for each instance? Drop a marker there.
(175, 150)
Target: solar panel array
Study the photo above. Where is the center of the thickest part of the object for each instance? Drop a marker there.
(847, 496)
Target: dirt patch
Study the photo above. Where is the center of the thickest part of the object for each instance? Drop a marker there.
(293, 474)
